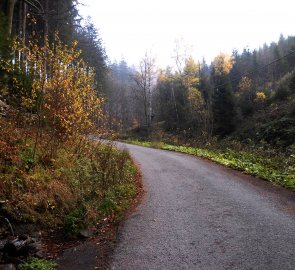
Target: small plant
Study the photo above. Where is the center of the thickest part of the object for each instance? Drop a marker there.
(38, 264)
(27, 157)
(74, 222)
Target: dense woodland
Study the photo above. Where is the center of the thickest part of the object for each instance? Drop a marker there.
(42, 20)
(248, 95)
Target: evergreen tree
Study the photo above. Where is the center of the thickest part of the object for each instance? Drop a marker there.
(223, 107)
(223, 99)
(93, 52)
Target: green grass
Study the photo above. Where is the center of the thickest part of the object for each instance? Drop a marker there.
(38, 264)
(269, 165)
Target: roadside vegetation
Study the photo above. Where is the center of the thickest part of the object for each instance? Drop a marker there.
(53, 173)
(266, 164)
(78, 185)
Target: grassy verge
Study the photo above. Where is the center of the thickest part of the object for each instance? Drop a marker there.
(269, 165)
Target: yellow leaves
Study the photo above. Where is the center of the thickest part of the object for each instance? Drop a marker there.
(260, 96)
(223, 64)
(190, 72)
(70, 94)
(195, 98)
(70, 104)
(74, 43)
(245, 85)
(162, 76)
(27, 102)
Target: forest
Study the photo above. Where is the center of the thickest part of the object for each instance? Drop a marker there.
(53, 177)
(58, 89)
(238, 110)
(248, 95)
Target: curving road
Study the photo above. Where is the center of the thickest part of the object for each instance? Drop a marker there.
(199, 215)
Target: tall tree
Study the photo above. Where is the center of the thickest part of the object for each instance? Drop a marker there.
(145, 79)
(93, 52)
(121, 103)
(223, 98)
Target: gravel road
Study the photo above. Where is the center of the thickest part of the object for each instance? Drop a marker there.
(199, 215)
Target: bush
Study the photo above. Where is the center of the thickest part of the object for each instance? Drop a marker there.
(283, 92)
(78, 186)
(74, 222)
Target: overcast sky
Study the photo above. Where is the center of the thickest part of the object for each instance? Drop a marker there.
(129, 28)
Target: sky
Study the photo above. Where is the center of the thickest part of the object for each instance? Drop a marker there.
(130, 28)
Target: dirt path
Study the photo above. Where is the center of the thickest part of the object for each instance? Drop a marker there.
(199, 215)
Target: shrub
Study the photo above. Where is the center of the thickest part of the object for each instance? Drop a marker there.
(74, 222)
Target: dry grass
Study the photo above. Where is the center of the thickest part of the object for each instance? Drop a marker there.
(66, 184)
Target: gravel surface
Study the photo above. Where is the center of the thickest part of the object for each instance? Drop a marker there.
(199, 215)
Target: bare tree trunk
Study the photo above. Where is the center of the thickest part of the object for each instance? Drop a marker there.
(24, 26)
(144, 80)
(11, 5)
(39, 106)
(46, 11)
(175, 106)
(150, 108)
(146, 113)
(22, 32)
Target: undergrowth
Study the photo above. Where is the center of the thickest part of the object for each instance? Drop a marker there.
(271, 165)
(66, 185)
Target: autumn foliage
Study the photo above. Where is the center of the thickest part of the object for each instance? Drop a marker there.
(50, 171)
(62, 88)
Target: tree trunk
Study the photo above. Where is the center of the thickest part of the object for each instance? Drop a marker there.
(10, 11)
(24, 26)
(46, 11)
